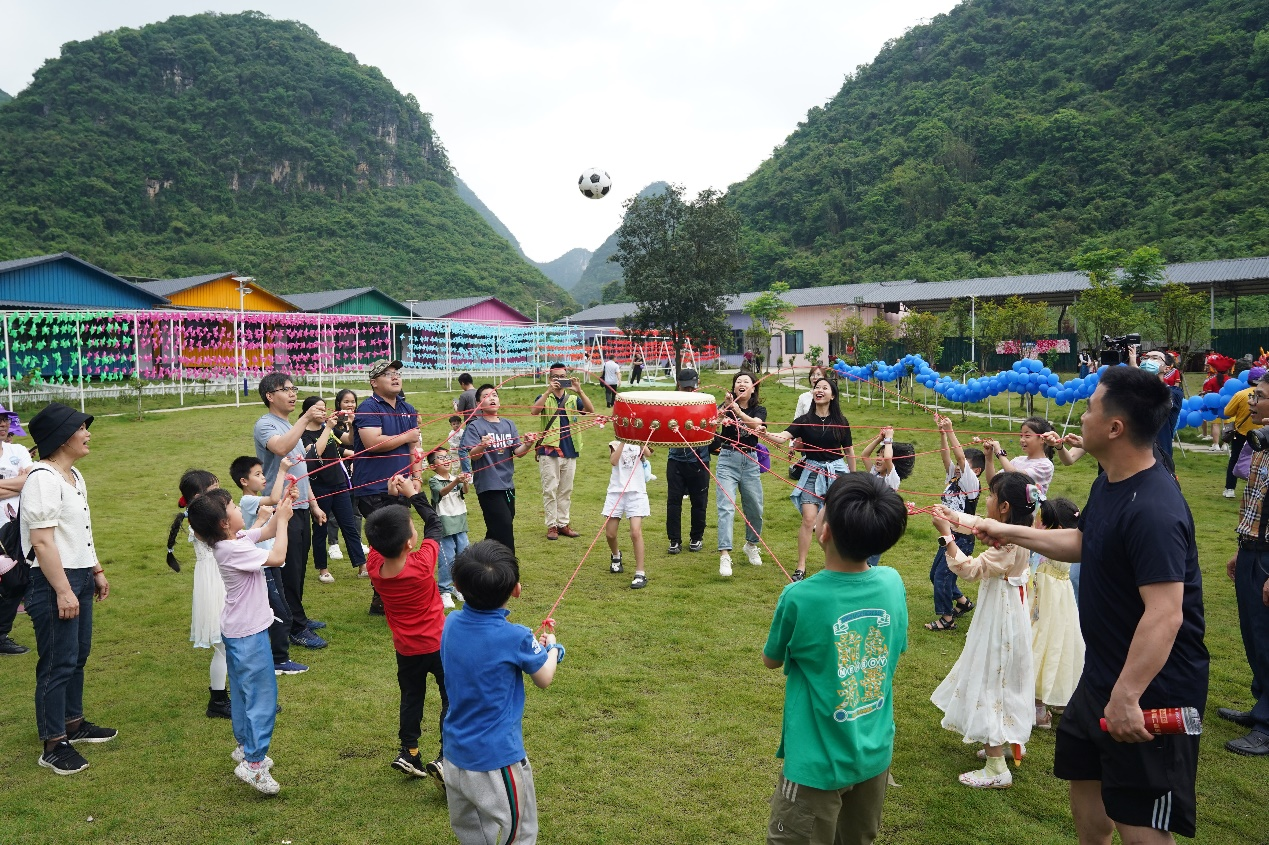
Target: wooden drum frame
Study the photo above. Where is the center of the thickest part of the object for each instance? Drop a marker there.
(643, 416)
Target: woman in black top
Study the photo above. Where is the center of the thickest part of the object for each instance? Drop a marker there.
(741, 418)
(323, 453)
(822, 434)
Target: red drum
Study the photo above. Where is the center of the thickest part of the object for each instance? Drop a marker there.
(643, 416)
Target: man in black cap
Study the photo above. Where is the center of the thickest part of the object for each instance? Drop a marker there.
(687, 474)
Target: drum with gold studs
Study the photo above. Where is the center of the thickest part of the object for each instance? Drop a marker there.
(644, 416)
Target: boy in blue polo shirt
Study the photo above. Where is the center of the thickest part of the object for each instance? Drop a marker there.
(838, 635)
(488, 779)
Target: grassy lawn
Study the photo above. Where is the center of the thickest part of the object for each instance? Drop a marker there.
(662, 728)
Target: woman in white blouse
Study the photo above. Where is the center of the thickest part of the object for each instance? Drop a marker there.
(65, 579)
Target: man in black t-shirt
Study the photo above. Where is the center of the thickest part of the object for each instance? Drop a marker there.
(1141, 613)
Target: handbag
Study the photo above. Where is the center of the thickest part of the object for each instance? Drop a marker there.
(1227, 433)
(764, 457)
(1242, 468)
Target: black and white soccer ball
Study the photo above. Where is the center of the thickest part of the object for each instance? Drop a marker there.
(594, 183)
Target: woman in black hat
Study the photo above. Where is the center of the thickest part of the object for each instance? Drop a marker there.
(57, 526)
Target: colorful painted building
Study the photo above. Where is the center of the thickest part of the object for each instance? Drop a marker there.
(63, 281)
(366, 302)
(483, 309)
(219, 292)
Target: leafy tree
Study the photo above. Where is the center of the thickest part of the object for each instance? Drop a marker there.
(1142, 268)
(876, 335)
(768, 313)
(923, 334)
(679, 261)
(1182, 316)
(1105, 309)
(614, 291)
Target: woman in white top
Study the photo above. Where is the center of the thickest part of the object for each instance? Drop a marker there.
(66, 578)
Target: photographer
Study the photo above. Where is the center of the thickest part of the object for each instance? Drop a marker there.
(559, 447)
(1248, 569)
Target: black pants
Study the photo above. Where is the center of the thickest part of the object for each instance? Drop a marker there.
(1235, 447)
(499, 508)
(693, 479)
(338, 505)
(412, 672)
(299, 537)
(8, 612)
(636, 373)
(279, 631)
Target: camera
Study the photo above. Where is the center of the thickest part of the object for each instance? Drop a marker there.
(1115, 349)
(1258, 439)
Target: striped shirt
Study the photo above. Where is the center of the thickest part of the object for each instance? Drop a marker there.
(1251, 523)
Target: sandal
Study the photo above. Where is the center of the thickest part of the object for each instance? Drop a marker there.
(941, 624)
(1045, 724)
(797, 575)
(961, 609)
(640, 581)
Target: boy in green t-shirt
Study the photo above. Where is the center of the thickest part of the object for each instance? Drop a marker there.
(838, 635)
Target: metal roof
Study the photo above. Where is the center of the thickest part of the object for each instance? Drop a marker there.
(22, 263)
(437, 308)
(167, 287)
(323, 299)
(1243, 276)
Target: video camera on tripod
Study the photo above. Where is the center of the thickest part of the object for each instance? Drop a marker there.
(1115, 349)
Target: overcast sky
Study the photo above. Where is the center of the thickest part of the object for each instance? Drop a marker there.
(526, 95)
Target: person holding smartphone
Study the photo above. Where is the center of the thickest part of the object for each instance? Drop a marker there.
(559, 447)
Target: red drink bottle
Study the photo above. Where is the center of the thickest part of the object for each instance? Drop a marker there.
(1171, 720)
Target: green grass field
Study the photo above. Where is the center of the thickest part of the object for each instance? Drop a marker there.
(660, 728)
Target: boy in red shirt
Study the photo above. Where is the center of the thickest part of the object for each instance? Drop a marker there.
(406, 581)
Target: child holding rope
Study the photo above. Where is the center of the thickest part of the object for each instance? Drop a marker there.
(963, 467)
(209, 592)
(838, 635)
(1037, 454)
(893, 463)
(987, 697)
(1057, 646)
(488, 778)
(628, 497)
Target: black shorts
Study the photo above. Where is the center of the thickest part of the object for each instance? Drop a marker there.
(1144, 784)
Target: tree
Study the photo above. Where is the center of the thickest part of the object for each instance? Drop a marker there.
(1142, 268)
(1181, 314)
(767, 311)
(876, 335)
(958, 321)
(614, 291)
(923, 334)
(1105, 309)
(679, 261)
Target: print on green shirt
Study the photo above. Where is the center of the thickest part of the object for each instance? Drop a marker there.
(862, 676)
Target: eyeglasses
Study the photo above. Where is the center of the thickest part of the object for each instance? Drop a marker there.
(291, 389)
(1259, 397)
(388, 373)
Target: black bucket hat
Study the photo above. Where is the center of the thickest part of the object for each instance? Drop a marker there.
(54, 425)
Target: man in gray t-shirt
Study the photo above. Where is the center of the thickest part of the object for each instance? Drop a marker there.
(466, 401)
(274, 437)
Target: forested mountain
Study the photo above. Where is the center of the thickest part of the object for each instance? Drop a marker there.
(216, 141)
(4, 98)
(601, 272)
(564, 271)
(1007, 135)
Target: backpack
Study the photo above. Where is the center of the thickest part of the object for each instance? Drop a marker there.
(13, 583)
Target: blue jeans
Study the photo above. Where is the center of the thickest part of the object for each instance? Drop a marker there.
(253, 693)
(1250, 573)
(738, 470)
(339, 510)
(946, 593)
(63, 646)
(452, 545)
(1075, 583)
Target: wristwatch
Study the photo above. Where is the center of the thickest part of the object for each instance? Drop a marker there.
(944, 541)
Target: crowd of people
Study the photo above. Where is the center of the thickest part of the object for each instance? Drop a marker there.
(1083, 618)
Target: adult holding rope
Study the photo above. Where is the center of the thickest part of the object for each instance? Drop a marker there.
(741, 418)
(385, 431)
(823, 436)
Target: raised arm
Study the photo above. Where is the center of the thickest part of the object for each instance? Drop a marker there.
(281, 516)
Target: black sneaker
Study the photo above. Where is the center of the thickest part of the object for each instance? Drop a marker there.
(63, 759)
(615, 566)
(88, 732)
(675, 548)
(696, 545)
(410, 764)
(219, 708)
(436, 771)
(8, 646)
(376, 606)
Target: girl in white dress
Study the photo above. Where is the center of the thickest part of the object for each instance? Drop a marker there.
(987, 697)
(1057, 646)
(209, 593)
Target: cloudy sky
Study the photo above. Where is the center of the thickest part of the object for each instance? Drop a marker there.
(527, 95)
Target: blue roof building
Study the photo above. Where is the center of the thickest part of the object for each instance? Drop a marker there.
(50, 282)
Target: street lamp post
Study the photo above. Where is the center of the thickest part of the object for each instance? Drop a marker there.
(243, 290)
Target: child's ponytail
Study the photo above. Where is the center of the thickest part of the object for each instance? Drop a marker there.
(194, 483)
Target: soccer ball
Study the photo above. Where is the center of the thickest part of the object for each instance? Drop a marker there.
(594, 183)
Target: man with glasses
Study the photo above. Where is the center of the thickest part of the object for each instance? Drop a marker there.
(1249, 570)
(275, 438)
(385, 431)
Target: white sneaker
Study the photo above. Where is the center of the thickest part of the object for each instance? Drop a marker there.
(362, 573)
(326, 577)
(724, 564)
(983, 779)
(447, 601)
(1229, 493)
(334, 553)
(753, 553)
(259, 778)
(239, 755)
